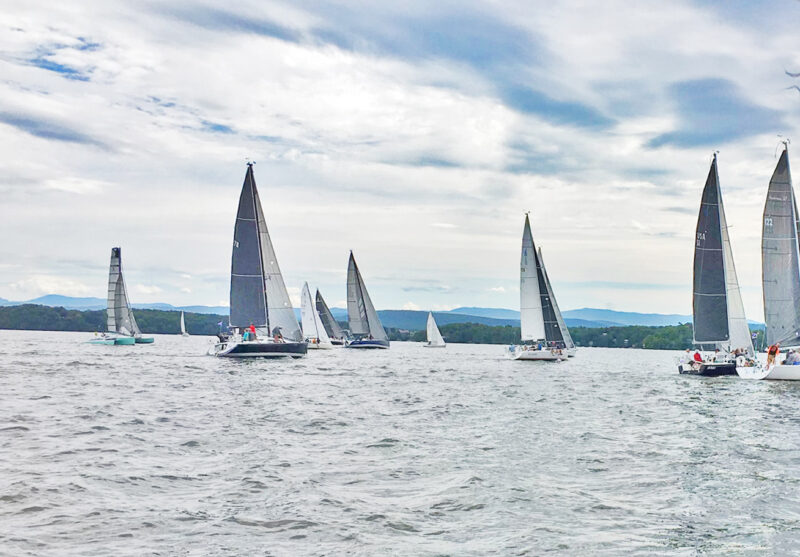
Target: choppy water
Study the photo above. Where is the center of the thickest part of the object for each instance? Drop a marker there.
(158, 450)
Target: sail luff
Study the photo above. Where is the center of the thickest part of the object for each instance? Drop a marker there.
(780, 258)
(531, 318)
(562, 325)
(709, 300)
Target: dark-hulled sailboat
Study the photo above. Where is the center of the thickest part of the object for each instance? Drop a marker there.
(719, 320)
(365, 326)
(258, 294)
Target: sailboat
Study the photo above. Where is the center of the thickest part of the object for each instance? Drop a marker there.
(558, 334)
(333, 329)
(183, 326)
(258, 295)
(717, 309)
(361, 315)
(435, 339)
(121, 325)
(313, 329)
(538, 323)
(780, 260)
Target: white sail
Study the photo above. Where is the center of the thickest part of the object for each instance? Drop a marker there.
(530, 303)
(434, 336)
(361, 314)
(312, 324)
(183, 326)
(120, 317)
(568, 342)
(738, 328)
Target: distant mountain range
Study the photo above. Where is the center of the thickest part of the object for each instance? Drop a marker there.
(407, 319)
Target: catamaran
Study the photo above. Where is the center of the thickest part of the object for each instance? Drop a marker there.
(121, 325)
(332, 328)
(258, 299)
(363, 320)
(313, 329)
(435, 339)
(780, 261)
(542, 338)
(719, 320)
(183, 327)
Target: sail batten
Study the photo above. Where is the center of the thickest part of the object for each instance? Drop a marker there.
(780, 259)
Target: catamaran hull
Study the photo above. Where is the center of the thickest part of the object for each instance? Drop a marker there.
(434, 345)
(773, 373)
(259, 350)
(144, 340)
(711, 369)
(368, 344)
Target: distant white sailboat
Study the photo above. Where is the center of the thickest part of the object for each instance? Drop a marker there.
(121, 325)
(258, 294)
(717, 309)
(313, 329)
(435, 339)
(364, 323)
(780, 260)
(183, 327)
(536, 309)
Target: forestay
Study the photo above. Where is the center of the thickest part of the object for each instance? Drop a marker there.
(779, 258)
(531, 320)
(434, 336)
(120, 317)
(330, 324)
(361, 314)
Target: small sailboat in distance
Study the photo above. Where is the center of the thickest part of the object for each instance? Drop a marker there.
(780, 260)
(313, 329)
(120, 322)
(335, 333)
(717, 308)
(364, 323)
(536, 311)
(435, 339)
(183, 326)
(259, 299)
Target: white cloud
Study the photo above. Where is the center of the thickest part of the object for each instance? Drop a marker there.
(411, 306)
(37, 285)
(498, 289)
(147, 289)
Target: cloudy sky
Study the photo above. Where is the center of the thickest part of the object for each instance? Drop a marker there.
(415, 133)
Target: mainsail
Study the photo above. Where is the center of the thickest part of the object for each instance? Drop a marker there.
(120, 317)
(718, 310)
(361, 314)
(780, 258)
(531, 318)
(566, 338)
(331, 326)
(312, 324)
(258, 293)
(434, 336)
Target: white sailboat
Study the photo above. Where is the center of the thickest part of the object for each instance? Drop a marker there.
(259, 298)
(780, 260)
(718, 314)
(435, 339)
(313, 329)
(121, 325)
(536, 309)
(365, 326)
(183, 327)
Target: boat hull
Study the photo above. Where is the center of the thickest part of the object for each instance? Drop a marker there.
(570, 352)
(257, 349)
(519, 353)
(772, 373)
(708, 369)
(319, 345)
(144, 340)
(102, 341)
(428, 345)
(337, 342)
(368, 344)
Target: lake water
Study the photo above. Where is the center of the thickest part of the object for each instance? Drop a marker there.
(160, 450)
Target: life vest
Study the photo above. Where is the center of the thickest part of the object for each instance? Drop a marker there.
(773, 350)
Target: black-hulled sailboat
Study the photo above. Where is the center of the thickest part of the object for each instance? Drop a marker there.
(719, 320)
(258, 294)
(365, 326)
(335, 333)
